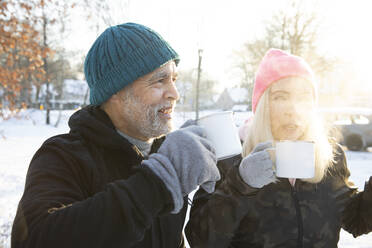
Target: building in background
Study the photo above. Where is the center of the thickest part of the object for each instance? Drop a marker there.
(235, 99)
(73, 94)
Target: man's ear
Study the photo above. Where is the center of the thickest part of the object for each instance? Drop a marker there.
(111, 102)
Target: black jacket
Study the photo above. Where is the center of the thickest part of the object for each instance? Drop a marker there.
(279, 215)
(85, 189)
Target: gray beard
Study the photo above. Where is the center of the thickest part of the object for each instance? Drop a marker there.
(146, 117)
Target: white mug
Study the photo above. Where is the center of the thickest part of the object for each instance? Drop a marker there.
(295, 159)
(222, 132)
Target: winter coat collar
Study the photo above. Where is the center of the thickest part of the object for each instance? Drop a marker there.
(94, 125)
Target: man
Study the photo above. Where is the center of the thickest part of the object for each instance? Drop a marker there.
(112, 181)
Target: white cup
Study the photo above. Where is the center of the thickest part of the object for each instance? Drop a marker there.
(295, 159)
(222, 132)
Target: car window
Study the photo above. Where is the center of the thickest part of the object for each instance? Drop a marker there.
(342, 119)
(343, 122)
(346, 116)
(361, 120)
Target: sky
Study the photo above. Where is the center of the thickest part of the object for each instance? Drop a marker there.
(220, 27)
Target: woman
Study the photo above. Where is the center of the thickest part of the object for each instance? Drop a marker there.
(251, 207)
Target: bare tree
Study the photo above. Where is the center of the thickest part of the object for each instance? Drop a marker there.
(103, 14)
(186, 85)
(47, 14)
(292, 29)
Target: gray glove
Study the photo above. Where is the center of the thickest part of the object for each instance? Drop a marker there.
(257, 168)
(189, 122)
(185, 160)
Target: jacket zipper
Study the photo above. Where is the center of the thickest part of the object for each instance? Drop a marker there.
(299, 217)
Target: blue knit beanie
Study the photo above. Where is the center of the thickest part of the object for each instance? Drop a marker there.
(122, 54)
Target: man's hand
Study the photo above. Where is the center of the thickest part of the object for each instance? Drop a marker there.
(257, 168)
(185, 160)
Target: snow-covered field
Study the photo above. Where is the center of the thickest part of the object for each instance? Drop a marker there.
(20, 137)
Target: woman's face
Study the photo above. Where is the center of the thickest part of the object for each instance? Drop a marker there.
(291, 107)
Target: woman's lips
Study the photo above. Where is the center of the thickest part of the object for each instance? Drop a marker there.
(290, 127)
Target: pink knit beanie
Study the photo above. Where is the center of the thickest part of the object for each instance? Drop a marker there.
(275, 65)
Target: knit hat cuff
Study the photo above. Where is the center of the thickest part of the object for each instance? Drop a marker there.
(139, 63)
(311, 79)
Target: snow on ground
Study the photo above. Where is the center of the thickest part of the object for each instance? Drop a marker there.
(20, 137)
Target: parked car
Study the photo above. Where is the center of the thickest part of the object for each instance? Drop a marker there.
(354, 126)
(240, 108)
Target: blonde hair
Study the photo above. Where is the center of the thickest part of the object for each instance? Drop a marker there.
(259, 130)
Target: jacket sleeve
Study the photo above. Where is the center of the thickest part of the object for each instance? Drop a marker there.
(215, 217)
(55, 212)
(357, 214)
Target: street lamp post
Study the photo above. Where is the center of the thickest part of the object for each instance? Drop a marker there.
(200, 53)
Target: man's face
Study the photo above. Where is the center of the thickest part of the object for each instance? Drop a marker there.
(146, 106)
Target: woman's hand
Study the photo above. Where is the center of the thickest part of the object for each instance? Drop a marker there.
(257, 168)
